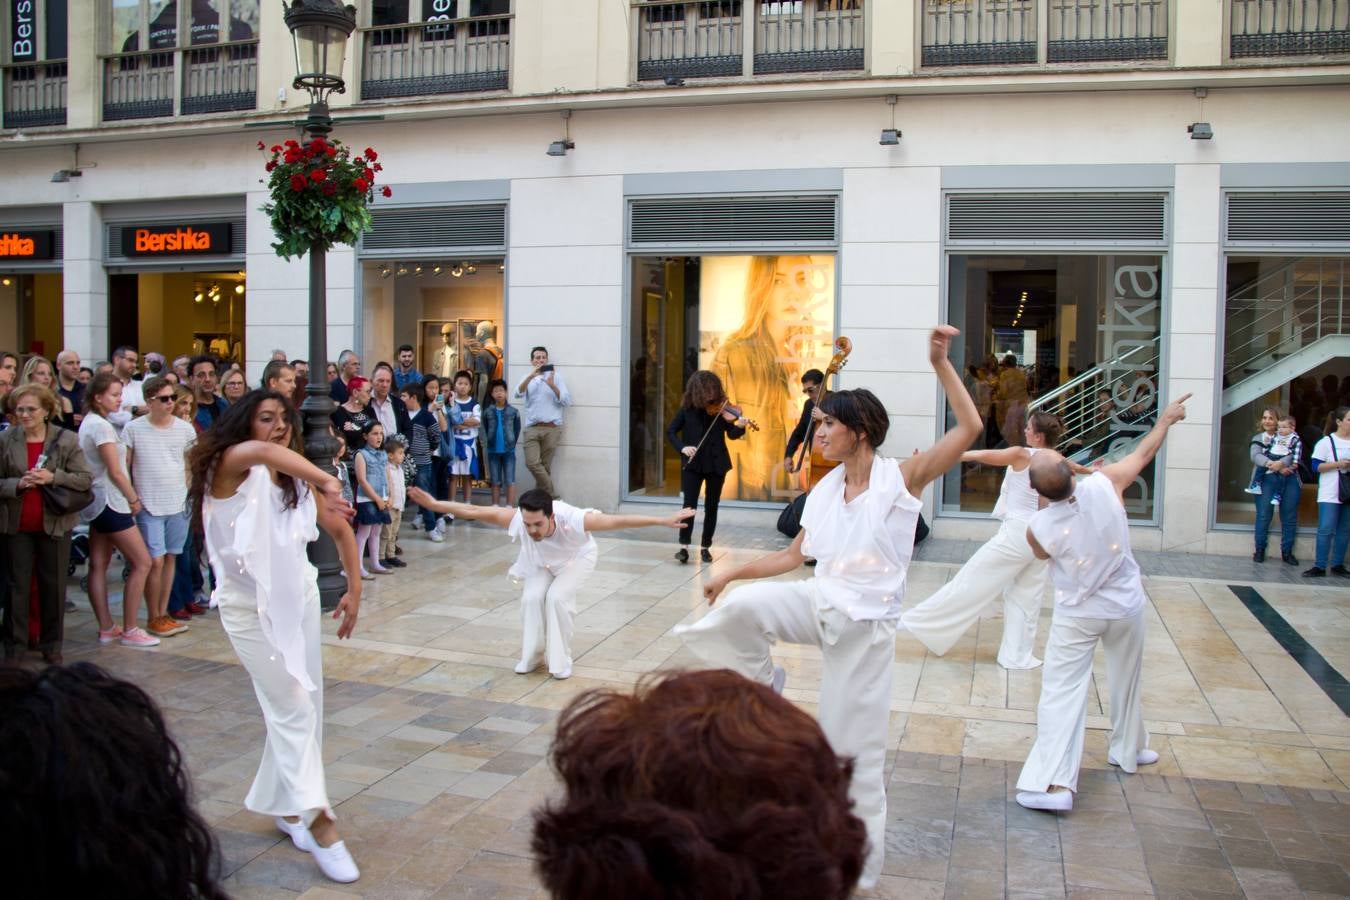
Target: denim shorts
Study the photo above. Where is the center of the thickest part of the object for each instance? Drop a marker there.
(163, 534)
(502, 468)
(110, 521)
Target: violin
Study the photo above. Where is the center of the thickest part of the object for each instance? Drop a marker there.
(732, 413)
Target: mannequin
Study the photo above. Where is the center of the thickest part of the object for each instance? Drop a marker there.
(445, 362)
(487, 358)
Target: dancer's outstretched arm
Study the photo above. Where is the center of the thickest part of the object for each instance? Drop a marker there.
(1124, 472)
(500, 516)
(1007, 456)
(598, 521)
(779, 563)
(925, 467)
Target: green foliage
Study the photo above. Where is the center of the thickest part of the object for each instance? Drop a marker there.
(320, 194)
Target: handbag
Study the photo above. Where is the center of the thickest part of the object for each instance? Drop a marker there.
(64, 501)
(1344, 474)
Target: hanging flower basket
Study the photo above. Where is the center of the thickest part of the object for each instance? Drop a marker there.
(320, 194)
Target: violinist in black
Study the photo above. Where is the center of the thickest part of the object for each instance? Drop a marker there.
(699, 433)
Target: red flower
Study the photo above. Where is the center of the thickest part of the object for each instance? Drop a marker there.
(378, 168)
(276, 148)
(270, 165)
(385, 190)
(318, 175)
(371, 155)
(292, 156)
(367, 174)
(361, 185)
(331, 150)
(359, 161)
(329, 188)
(261, 145)
(292, 144)
(298, 182)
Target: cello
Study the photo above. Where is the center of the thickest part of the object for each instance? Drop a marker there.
(819, 465)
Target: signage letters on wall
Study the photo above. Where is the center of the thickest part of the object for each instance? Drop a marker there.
(21, 245)
(23, 31)
(173, 240)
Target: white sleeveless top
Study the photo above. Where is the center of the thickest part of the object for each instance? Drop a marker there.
(257, 550)
(1017, 499)
(1091, 566)
(863, 547)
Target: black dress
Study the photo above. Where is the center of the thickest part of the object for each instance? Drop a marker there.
(709, 467)
(351, 428)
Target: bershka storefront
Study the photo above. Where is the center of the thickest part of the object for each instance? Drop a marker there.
(30, 282)
(177, 284)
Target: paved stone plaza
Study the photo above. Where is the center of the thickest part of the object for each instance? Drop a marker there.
(436, 750)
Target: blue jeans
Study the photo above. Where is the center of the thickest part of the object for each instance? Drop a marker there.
(426, 480)
(1333, 534)
(1287, 488)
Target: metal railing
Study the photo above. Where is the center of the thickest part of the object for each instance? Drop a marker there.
(1288, 27)
(1283, 311)
(448, 57)
(689, 39)
(1095, 426)
(35, 94)
(979, 32)
(809, 36)
(1098, 30)
(147, 85)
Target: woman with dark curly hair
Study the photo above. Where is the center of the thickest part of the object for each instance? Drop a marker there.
(702, 443)
(260, 502)
(698, 784)
(94, 797)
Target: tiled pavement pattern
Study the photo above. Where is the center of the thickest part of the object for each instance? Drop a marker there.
(436, 749)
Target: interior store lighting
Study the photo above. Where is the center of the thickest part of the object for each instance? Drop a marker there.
(457, 271)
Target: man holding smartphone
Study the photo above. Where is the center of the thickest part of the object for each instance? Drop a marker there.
(545, 396)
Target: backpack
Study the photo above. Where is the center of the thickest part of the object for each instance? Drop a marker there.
(497, 366)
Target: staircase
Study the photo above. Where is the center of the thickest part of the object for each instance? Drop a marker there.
(1284, 323)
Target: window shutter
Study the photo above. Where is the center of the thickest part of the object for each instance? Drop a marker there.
(734, 222)
(1304, 220)
(1100, 220)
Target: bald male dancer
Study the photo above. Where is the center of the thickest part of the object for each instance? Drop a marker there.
(1099, 596)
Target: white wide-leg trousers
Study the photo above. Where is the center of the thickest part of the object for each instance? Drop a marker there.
(855, 684)
(1004, 566)
(290, 779)
(547, 605)
(1061, 715)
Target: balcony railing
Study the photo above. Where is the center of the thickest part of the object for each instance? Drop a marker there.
(1288, 27)
(146, 85)
(689, 39)
(35, 94)
(809, 36)
(1099, 30)
(449, 57)
(979, 32)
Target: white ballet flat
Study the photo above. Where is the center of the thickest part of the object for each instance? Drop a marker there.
(525, 667)
(298, 834)
(1146, 757)
(1059, 801)
(336, 862)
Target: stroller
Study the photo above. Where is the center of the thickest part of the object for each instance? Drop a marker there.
(79, 555)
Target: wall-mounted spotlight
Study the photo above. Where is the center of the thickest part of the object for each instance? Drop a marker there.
(890, 137)
(418, 271)
(61, 176)
(560, 148)
(435, 270)
(1200, 131)
(402, 270)
(470, 269)
(385, 271)
(457, 271)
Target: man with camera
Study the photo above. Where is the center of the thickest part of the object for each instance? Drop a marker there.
(545, 396)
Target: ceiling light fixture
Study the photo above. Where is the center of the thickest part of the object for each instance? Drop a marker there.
(457, 271)
(239, 289)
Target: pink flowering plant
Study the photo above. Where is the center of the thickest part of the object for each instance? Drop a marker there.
(320, 194)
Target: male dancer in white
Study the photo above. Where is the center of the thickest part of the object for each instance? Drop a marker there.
(1003, 566)
(554, 562)
(859, 526)
(1098, 597)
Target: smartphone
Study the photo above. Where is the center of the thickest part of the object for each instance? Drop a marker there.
(547, 368)
(41, 462)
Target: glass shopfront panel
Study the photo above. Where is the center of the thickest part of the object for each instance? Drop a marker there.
(758, 322)
(1277, 311)
(1080, 331)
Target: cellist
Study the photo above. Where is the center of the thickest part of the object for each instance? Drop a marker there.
(812, 379)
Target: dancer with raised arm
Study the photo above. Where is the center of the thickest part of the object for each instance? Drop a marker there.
(1099, 596)
(1004, 566)
(859, 525)
(260, 502)
(554, 561)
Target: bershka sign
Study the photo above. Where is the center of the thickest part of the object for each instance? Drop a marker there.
(174, 240)
(20, 245)
(22, 31)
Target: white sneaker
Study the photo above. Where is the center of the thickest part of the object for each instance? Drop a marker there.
(336, 862)
(1146, 757)
(1252, 490)
(779, 679)
(1059, 801)
(436, 535)
(525, 667)
(298, 834)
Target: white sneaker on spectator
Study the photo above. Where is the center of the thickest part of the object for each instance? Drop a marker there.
(437, 534)
(137, 637)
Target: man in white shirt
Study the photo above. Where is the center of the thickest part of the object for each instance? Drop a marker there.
(133, 398)
(1099, 596)
(545, 396)
(553, 562)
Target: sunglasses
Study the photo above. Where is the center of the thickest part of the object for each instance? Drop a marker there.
(167, 398)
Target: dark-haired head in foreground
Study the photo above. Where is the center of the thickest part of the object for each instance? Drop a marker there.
(93, 792)
(697, 785)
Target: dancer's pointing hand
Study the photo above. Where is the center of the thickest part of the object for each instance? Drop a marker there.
(712, 588)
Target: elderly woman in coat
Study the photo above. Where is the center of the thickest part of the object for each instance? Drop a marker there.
(36, 537)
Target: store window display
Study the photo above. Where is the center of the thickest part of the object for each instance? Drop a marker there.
(758, 323)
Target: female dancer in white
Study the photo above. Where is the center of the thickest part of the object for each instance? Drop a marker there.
(260, 500)
(859, 525)
(1004, 565)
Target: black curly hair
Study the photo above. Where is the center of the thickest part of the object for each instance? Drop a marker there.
(94, 795)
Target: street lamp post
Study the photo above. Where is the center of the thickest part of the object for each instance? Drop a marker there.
(319, 30)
